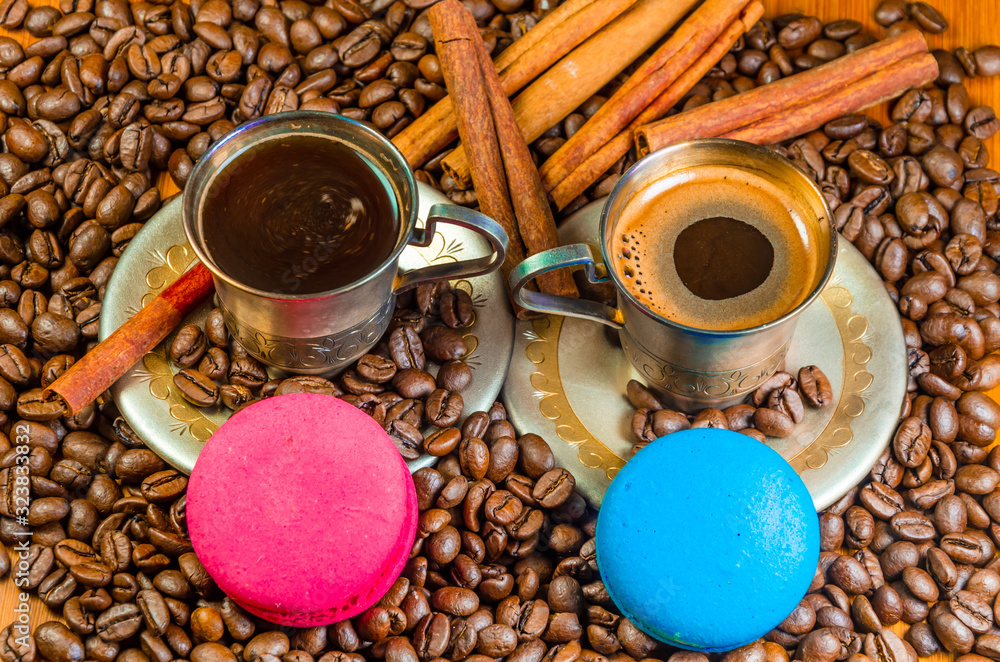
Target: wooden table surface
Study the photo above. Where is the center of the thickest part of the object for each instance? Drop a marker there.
(974, 23)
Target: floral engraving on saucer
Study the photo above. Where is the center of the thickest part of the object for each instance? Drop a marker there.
(857, 354)
(155, 368)
(543, 351)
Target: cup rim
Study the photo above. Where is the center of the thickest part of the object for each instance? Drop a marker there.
(205, 171)
(702, 143)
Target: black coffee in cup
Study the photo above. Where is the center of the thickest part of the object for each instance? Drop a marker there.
(300, 215)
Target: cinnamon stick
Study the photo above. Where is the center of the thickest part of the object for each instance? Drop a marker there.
(582, 73)
(588, 172)
(728, 114)
(689, 42)
(111, 359)
(531, 206)
(455, 37)
(882, 85)
(530, 39)
(555, 35)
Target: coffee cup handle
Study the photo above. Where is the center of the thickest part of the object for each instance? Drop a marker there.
(572, 255)
(465, 218)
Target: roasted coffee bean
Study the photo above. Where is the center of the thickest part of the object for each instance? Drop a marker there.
(455, 601)
(196, 388)
(454, 375)
(553, 488)
(215, 329)
(890, 11)
(777, 380)
(206, 624)
(788, 401)
(973, 611)
(376, 369)
(407, 438)
(976, 479)
(859, 527)
(212, 652)
(444, 408)
(929, 18)
(119, 622)
(247, 371)
(850, 575)
(474, 457)
(154, 611)
(912, 442)
(535, 457)
(800, 32)
(869, 167)
(880, 500)
(163, 486)
(913, 527)
(456, 309)
(773, 423)
(502, 507)
(714, 418)
(407, 348)
(442, 442)
(57, 643)
(442, 344)
(188, 346)
(981, 122)
(641, 397)
(952, 633)
(414, 383)
(235, 396)
(214, 364)
(406, 409)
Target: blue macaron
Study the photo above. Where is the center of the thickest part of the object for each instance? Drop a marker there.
(707, 539)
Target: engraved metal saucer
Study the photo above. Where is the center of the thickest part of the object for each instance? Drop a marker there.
(567, 382)
(176, 430)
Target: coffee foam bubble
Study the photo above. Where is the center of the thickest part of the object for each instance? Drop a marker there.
(646, 232)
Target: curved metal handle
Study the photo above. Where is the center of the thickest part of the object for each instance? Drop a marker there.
(462, 217)
(555, 258)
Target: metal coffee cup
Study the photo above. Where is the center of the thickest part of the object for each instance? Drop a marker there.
(321, 333)
(688, 368)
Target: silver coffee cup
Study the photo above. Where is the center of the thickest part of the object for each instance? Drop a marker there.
(689, 368)
(321, 333)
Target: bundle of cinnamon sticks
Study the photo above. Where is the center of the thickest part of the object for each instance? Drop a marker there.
(583, 71)
(506, 181)
(803, 102)
(659, 83)
(562, 30)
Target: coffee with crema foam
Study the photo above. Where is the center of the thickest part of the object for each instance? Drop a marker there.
(716, 248)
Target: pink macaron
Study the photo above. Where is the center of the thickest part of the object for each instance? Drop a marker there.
(302, 510)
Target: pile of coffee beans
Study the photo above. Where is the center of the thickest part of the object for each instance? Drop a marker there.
(392, 383)
(111, 94)
(773, 410)
(916, 542)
